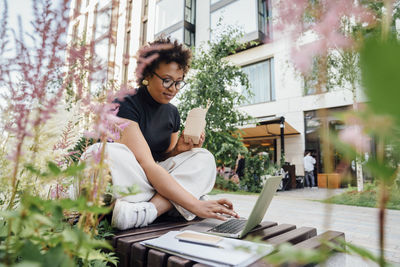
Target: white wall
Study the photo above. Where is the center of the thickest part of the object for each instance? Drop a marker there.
(202, 22)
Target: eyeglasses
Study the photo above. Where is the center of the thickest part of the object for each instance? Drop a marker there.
(168, 82)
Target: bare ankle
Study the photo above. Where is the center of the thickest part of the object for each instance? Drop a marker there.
(161, 203)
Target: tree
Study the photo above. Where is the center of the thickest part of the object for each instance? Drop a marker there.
(214, 78)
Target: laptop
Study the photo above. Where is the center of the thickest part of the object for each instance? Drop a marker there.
(239, 227)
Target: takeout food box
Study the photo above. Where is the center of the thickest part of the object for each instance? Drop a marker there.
(195, 124)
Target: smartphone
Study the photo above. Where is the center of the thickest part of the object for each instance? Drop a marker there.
(197, 238)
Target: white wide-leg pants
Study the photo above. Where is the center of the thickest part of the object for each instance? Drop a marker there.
(194, 170)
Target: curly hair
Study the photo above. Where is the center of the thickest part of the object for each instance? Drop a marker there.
(161, 50)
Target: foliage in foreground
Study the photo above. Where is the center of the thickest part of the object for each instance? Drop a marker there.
(41, 236)
(41, 125)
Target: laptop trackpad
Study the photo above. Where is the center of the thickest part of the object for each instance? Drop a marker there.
(204, 225)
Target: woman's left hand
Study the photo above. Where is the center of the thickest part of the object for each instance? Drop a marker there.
(182, 146)
(201, 140)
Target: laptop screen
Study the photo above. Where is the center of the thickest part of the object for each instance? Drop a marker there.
(262, 203)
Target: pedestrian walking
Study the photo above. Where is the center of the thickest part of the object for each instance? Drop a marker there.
(309, 162)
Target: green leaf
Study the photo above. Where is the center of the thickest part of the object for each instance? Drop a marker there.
(361, 252)
(8, 214)
(380, 65)
(30, 252)
(42, 219)
(381, 170)
(125, 191)
(290, 254)
(57, 257)
(74, 169)
(28, 264)
(54, 169)
(33, 170)
(81, 204)
(3, 229)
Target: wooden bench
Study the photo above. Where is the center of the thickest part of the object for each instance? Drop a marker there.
(132, 253)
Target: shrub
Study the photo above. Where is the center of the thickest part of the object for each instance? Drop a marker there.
(225, 184)
(255, 167)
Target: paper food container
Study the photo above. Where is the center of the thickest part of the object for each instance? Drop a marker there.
(195, 124)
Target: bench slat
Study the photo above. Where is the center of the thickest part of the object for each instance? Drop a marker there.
(294, 236)
(272, 231)
(124, 244)
(316, 241)
(262, 226)
(157, 258)
(175, 261)
(260, 263)
(149, 229)
(139, 255)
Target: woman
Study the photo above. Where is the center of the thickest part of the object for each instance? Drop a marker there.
(240, 165)
(170, 173)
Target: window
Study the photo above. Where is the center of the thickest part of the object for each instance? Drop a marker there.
(103, 21)
(77, 9)
(311, 80)
(85, 26)
(168, 13)
(262, 82)
(189, 37)
(189, 11)
(179, 24)
(251, 16)
(101, 38)
(313, 123)
(264, 18)
(143, 28)
(177, 35)
(75, 34)
(127, 42)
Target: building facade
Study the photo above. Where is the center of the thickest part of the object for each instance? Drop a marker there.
(278, 89)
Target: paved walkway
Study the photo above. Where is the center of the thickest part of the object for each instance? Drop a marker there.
(299, 207)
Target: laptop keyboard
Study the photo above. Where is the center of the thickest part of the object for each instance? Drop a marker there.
(231, 227)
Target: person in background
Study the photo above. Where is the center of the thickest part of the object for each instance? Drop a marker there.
(240, 165)
(221, 170)
(309, 162)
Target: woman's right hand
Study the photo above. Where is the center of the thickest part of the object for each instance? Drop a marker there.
(215, 209)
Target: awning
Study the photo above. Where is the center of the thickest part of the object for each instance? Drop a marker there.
(268, 129)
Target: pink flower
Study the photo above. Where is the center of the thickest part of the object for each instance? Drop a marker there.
(58, 192)
(107, 124)
(146, 55)
(303, 57)
(354, 136)
(326, 19)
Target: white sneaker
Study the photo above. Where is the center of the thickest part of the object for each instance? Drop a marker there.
(132, 215)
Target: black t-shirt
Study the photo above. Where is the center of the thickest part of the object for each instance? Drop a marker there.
(156, 121)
